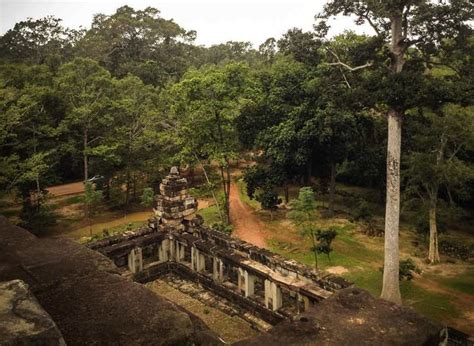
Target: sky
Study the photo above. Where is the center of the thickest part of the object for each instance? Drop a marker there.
(216, 21)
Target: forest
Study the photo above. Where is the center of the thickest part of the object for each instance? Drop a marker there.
(119, 103)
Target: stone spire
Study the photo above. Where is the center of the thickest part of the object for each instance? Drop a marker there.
(173, 203)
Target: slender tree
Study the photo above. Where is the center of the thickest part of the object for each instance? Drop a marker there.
(86, 87)
(403, 24)
(304, 216)
(436, 161)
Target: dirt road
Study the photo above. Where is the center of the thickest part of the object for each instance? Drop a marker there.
(246, 225)
(66, 189)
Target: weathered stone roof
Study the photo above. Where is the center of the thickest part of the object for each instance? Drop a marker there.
(353, 317)
(22, 320)
(87, 298)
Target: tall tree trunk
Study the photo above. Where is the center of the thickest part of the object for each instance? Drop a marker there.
(332, 189)
(287, 193)
(127, 192)
(228, 193)
(212, 190)
(391, 284)
(38, 189)
(86, 163)
(225, 182)
(314, 250)
(433, 253)
(134, 187)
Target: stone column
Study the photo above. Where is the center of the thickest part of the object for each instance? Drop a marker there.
(222, 277)
(276, 297)
(249, 284)
(183, 252)
(135, 260)
(193, 258)
(268, 293)
(240, 280)
(305, 303)
(163, 250)
(172, 250)
(215, 269)
(200, 261)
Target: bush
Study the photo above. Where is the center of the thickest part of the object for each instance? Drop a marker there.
(148, 197)
(221, 227)
(406, 269)
(36, 218)
(363, 212)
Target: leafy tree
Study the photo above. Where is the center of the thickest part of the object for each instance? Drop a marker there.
(268, 50)
(325, 238)
(204, 106)
(402, 24)
(269, 200)
(303, 214)
(86, 87)
(133, 146)
(332, 130)
(224, 53)
(436, 160)
(148, 197)
(39, 41)
(91, 199)
(139, 42)
(303, 46)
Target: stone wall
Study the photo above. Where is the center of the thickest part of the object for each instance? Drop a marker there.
(88, 298)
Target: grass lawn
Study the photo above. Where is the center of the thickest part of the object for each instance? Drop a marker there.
(359, 259)
(210, 215)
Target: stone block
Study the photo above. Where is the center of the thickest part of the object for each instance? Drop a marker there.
(22, 319)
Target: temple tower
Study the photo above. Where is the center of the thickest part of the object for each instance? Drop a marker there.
(173, 203)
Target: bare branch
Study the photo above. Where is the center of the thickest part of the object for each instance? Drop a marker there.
(371, 23)
(340, 63)
(345, 79)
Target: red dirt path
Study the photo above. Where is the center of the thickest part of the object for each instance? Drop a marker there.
(66, 189)
(246, 225)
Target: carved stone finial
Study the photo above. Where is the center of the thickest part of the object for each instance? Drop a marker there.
(174, 203)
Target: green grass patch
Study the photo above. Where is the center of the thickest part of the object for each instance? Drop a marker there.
(126, 227)
(434, 305)
(463, 282)
(73, 200)
(244, 197)
(347, 251)
(210, 215)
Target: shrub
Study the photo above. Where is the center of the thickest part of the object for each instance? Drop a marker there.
(406, 269)
(221, 227)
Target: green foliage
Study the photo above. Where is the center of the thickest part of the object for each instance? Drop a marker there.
(36, 215)
(407, 268)
(222, 227)
(139, 42)
(92, 198)
(147, 197)
(325, 238)
(268, 199)
(363, 211)
(303, 215)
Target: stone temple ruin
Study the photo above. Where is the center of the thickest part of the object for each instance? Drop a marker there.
(57, 292)
(262, 282)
